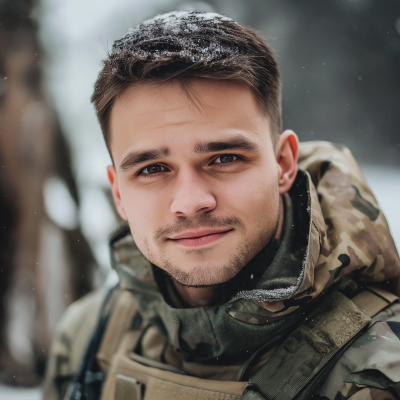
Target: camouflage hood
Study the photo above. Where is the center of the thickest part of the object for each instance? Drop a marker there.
(333, 229)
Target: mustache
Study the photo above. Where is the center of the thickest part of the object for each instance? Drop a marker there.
(202, 221)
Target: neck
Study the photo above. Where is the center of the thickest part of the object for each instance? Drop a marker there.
(202, 296)
(195, 296)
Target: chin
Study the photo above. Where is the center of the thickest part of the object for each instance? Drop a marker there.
(203, 275)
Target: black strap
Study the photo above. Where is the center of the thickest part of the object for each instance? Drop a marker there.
(88, 382)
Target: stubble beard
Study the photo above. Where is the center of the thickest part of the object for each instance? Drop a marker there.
(207, 275)
(211, 274)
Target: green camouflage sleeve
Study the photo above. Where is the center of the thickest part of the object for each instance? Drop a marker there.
(372, 394)
(69, 344)
(370, 368)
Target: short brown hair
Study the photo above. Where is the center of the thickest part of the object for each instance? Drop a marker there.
(182, 45)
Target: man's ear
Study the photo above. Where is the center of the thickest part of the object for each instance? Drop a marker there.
(286, 157)
(112, 178)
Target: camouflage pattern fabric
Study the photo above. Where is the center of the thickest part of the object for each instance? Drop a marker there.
(370, 367)
(340, 238)
(348, 235)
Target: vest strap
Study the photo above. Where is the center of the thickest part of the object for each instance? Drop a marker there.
(120, 321)
(305, 352)
(373, 300)
(297, 368)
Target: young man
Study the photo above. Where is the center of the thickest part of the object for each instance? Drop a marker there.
(252, 267)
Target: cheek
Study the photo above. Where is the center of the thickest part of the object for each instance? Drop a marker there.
(252, 197)
(145, 210)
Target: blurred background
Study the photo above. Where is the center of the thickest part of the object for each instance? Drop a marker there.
(340, 62)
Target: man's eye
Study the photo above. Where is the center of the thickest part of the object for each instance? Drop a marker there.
(225, 158)
(153, 169)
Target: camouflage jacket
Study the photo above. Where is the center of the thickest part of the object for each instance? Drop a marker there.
(334, 236)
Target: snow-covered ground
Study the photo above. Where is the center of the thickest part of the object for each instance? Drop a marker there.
(385, 183)
(11, 393)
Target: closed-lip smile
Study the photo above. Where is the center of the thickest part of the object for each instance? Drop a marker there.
(199, 237)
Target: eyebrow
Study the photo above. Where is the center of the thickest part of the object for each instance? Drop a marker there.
(238, 142)
(139, 157)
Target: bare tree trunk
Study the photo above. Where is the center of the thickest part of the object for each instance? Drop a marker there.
(43, 267)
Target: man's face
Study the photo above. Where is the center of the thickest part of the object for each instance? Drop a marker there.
(197, 180)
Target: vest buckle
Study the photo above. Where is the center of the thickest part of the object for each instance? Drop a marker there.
(127, 388)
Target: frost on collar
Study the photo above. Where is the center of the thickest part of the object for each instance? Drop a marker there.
(188, 36)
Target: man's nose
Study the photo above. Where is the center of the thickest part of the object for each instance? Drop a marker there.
(192, 195)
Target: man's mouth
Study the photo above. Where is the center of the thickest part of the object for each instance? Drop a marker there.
(200, 237)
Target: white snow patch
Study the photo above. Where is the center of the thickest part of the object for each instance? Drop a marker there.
(59, 204)
(174, 17)
(14, 393)
(384, 182)
(170, 32)
(274, 294)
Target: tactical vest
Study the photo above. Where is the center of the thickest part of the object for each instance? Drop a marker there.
(295, 370)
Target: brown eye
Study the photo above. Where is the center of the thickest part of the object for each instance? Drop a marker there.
(225, 158)
(153, 169)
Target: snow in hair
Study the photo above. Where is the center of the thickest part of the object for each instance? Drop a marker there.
(190, 36)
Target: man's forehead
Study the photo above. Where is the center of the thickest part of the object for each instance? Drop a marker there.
(176, 104)
(149, 113)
